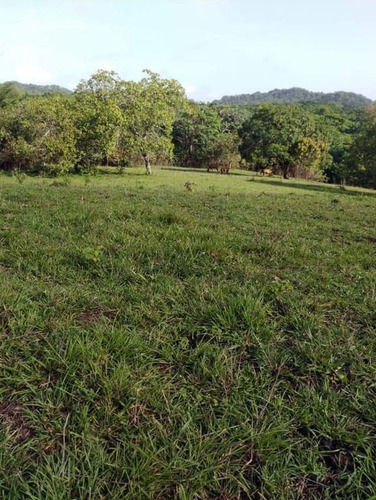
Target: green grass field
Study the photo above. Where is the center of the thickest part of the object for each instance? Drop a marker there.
(165, 343)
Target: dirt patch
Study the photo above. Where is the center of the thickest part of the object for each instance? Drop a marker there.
(309, 486)
(13, 418)
(138, 414)
(91, 316)
(164, 368)
(368, 239)
(4, 321)
(337, 455)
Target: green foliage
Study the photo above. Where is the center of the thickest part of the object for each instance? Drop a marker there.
(224, 150)
(196, 129)
(98, 118)
(10, 95)
(295, 95)
(33, 89)
(339, 127)
(202, 138)
(285, 138)
(363, 151)
(38, 134)
(93, 255)
(108, 121)
(120, 121)
(232, 117)
(149, 109)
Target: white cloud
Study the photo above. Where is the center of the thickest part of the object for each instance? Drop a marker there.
(190, 89)
(203, 93)
(32, 73)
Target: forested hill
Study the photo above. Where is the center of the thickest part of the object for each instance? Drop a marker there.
(31, 88)
(298, 95)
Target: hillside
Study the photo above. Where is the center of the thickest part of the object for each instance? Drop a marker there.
(298, 95)
(31, 88)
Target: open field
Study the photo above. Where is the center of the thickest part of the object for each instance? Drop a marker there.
(159, 342)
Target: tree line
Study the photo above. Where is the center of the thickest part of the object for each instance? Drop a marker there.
(109, 121)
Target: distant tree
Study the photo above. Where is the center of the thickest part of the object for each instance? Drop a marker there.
(224, 150)
(232, 117)
(30, 89)
(296, 95)
(363, 151)
(201, 137)
(10, 95)
(195, 130)
(284, 138)
(339, 127)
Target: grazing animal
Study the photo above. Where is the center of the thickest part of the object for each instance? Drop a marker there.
(262, 170)
(213, 167)
(267, 171)
(225, 170)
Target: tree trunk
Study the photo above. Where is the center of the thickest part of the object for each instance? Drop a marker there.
(285, 169)
(147, 163)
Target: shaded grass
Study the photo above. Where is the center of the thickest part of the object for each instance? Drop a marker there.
(164, 343)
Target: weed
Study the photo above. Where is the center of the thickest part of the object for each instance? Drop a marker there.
(93, 255)
(19, 176)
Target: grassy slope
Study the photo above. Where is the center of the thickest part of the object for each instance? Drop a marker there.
(164, 343)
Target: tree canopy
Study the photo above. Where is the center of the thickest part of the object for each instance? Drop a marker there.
(285, 138)
(110, 121)
(362, 154)
(38, 135)
(149, 108)
(202, 138)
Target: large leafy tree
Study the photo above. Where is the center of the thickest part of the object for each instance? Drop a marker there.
(339, 127)
(363, 150)
(195, 131)
(202, 137)
(285, 138)
(149, 108)
(38, 134)
(98, 117)
(232, 117)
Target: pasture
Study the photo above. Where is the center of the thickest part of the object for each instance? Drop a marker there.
(186, 335)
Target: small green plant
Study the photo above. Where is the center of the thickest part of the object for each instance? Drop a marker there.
(124, 163)
(93, 255)
(188, 185)
(63, 181)
(19, 176)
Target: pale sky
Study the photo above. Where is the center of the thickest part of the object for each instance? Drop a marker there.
(212, 47)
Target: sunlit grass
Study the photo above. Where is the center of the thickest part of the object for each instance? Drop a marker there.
(164, 342)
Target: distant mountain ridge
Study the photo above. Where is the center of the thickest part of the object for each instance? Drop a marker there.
(298, 95)
(31, 88)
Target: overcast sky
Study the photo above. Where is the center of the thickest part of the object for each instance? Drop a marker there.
(213, 47)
